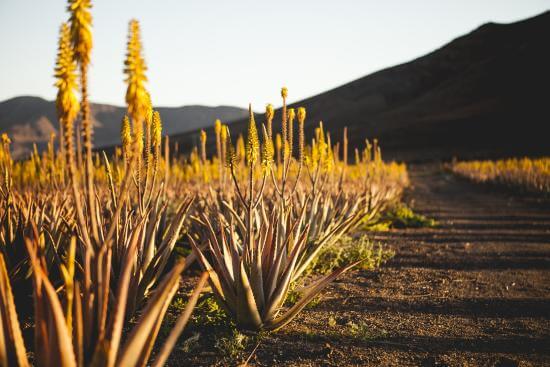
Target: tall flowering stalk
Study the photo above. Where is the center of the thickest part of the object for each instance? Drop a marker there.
(156, 141)
(67, 109)
(203, 146)
(252, 142)
(137, 97)
(279, 147)
(148, 127)
(291, 117)
(223, 138)
(81, 37)
(269, 114)
(66, 101)
(301, 134)
(218, 132)
(284, 95)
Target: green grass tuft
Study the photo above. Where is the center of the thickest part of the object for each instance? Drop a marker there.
(399, 215)
(402, 216)
(349, 250)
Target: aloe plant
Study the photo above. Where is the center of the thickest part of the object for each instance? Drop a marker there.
(62, 332)
(252, 268)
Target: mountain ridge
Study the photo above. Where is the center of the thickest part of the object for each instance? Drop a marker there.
(479, 95)
(31, 119)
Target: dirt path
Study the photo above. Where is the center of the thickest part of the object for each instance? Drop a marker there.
(475, 291)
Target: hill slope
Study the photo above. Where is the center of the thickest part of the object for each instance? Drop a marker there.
(31, 119)
(483, 94)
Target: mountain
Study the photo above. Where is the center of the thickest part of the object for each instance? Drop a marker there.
(30, 120)
(484, 94)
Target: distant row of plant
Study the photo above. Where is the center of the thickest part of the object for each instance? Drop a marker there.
(88, 260)
(526, 174)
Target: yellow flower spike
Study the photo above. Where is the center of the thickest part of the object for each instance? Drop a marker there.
(81, 29)
(138, 139)
(66, 100)
(137, 97)
(284, 92)
(218, 130)
(320, 149)
(315, 153)
(269, 114)
(284, 117)
(241, 151)
(148, 109)
(157, 129)
(5, 139)
(278, 147)
(267, 151)
(253, 143)
(321, 133)
(230, 156)
(203, 146)
(301, 114)
(291, 116)
(223, 133)
(223, 136)
(126, 136)
(328, 163)
(301, 134)
(286, 150)
(65, 74)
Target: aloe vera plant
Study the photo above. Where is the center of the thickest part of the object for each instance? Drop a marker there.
(252, 268)
(63, 335)
(90, 238)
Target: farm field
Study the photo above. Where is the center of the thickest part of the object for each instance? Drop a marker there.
(475, 290)
(400, 219)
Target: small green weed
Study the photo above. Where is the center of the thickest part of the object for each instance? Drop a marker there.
(349, 250)
(378, 226)
(363, 332)
(402, 216)
(209, 313)
(232, 345)
(399, 215)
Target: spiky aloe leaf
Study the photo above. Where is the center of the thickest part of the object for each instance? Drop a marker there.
(311, 292)
(140, 342)
(12, 347)
(115, 331)
(57, 343)
(181, 322)
(247, 311)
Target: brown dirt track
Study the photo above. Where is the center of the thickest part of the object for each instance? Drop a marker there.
(475, 291)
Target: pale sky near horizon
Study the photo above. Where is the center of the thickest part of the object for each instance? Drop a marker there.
(235, 52)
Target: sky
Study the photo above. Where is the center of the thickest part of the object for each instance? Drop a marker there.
(235, 52)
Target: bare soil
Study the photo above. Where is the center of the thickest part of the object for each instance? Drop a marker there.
(474, 291)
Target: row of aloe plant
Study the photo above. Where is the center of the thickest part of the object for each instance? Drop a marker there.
(95, 256)
(90, 239)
